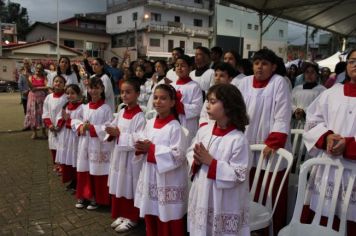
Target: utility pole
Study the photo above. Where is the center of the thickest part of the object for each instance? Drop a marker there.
(0, 39)
(136, 40)
(306, 43)
(58, 53)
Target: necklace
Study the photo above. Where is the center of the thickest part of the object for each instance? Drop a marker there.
(211, 141)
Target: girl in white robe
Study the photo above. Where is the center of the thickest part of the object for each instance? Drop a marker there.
(124, 166)
(268, 101)
(52, 106)
(331, 133)
(189, 97)
(162, 188)
(67, 149)
(303, 95)
(219, 156)
(93, 152)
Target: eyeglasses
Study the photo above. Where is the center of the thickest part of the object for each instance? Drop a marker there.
(351, 62)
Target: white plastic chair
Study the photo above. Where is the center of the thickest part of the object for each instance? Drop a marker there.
(298, 228)
(261, 215)
(150, 114)
(298, 150)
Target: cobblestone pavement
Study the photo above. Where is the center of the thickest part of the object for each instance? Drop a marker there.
(33, 201)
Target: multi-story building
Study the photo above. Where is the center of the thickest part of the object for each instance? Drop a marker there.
(153, 28)
(238, 28)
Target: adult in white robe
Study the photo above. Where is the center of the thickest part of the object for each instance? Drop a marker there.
(219, 196)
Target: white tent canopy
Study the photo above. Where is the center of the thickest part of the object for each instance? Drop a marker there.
(337, 16)
(331, 61)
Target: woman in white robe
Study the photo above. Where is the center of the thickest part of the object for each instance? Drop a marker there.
(331, 133)
(219, 157)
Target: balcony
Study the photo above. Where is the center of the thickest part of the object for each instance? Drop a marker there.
(184, 5)
(178, 28)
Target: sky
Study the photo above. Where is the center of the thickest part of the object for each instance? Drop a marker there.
(67, 8)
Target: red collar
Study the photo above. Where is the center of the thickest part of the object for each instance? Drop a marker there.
(58, 95)
(222, 132)
(73, 106)
(130, 113)
(260, 83)
(183, 80)
(350, 89)
(160, 123)
(96, 105)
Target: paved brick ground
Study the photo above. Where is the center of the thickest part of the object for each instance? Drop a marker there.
(32, 199)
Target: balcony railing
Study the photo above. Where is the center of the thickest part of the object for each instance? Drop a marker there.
(178, 28)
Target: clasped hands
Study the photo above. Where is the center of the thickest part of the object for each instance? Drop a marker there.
(335, 144)
(201, 155)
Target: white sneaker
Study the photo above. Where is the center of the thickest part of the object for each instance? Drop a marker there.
(125, 226)
(80, 204)
(92, 206)
(117, 222)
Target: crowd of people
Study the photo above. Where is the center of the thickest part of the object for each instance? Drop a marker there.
(188, 167)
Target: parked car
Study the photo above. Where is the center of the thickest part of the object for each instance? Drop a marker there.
(8, 86)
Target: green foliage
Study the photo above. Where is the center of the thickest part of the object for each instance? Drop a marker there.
(14, 13)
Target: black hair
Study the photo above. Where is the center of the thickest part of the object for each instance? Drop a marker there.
(69, 70)
(311, 65)
(186, 58)
(42, 71)
(114, 58)
(60, 76)
(281, 68)
(172, 93)
(134, 83)
(163, 64)
(347, 77)
(340, 67)
(223, 66)
(266, 54)
(76, 71)
(94, 82)
(143, 80)
(236, 55)
(75, 88)
(205, 50)
(218, 50)
(178, 49)
(246, 66)
(233, 103)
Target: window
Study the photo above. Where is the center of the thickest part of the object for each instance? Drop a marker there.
(155, 17)
(69, 43)
(182, 44)
(4, 68)
(119, 19)
(249, 26)
(120, 43)
(197, 44)
(198, 22)
(197, 1)
(248, 46)
(256, 27)
(155, 42)
(170, 45)
(280, 50)
(177, 19)
(132, 42)
(281, 33)
(229, 23)
(134, 16)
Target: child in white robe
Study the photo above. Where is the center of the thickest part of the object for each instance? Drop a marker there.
(162, 188)
(331, 133)
(189, 97)
(224, 74)
(269, 107)
(93, 151)
(52, 106)
(67, 149)
(219, 196)
(303, 95)
(124, 166)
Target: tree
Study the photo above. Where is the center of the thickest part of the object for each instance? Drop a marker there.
(14, 13)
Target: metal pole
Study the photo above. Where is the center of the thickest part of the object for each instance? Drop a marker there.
(0, 40)
(260, 16)
(307, 42)
(58, 53)
(136, 40)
